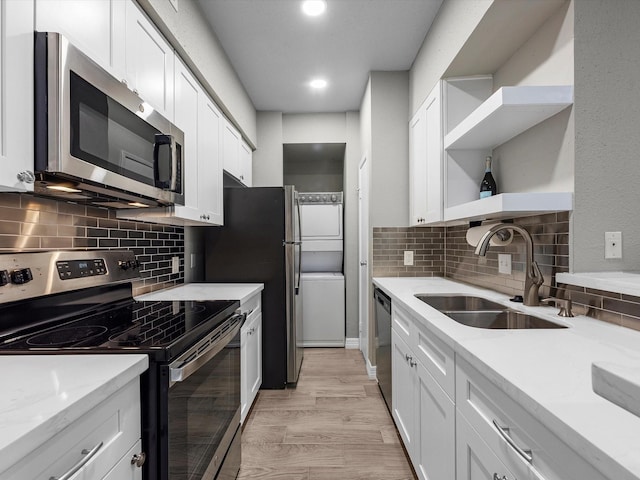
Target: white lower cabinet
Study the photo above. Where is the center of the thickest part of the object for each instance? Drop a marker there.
(250, 353)
(525, 448)
(98, 443)
(424, 414)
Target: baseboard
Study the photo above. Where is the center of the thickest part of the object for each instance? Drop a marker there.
(352, 343)
(371, 370)
(326, 344)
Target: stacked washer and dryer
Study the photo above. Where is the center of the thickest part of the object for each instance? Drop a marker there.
(323, 308)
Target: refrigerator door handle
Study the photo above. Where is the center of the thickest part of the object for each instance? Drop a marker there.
(299, 242)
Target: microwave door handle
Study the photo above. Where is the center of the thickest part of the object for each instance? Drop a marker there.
(160, 140)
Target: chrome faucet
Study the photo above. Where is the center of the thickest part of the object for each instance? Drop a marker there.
(533, 276)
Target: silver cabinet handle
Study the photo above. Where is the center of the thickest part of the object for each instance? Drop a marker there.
(138, 459)
(496, 477)
(505, 434)
(72, 471)
(412, 362)
(26, 177)
(362, 264)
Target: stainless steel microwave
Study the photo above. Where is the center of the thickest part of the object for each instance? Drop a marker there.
(95, 139)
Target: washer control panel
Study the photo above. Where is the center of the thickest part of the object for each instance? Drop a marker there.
(320, 198)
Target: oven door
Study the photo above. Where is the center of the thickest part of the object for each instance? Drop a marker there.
(204, 407)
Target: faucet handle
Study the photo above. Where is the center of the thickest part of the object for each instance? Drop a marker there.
(563, 304)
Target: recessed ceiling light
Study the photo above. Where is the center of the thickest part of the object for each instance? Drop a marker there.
(318, 83)
(313, 8)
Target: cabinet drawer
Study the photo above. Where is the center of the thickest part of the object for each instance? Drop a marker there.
(114, 424)
(481, 403)
(436, 356)
(125, 469)
(401, 323)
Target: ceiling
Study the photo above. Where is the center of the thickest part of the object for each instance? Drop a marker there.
(277, 50)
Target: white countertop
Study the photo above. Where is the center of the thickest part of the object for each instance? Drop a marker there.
(548, 372)
(619, 282)
(206, 291)
(42, 394)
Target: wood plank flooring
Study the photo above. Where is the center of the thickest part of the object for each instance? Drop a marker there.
(333, 425)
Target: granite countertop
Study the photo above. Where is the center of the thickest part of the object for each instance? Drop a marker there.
(548, 372)
(43, 394)
(206, 291)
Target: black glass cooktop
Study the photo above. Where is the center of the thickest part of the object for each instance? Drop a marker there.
(163, 329)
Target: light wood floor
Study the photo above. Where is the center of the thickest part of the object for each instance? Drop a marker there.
(333, 425)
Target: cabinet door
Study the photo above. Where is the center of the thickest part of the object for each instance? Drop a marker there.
(97, 27)
(418, 167)
(231, 150)
(210, 193)
(186, 119)
(435, 449)
(149, 62)
(251, 363)
(246, 164)
(434, 155)
(403, 380)
(16, 95)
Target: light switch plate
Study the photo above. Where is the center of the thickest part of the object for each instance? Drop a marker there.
(408, 257)
(612, 245)
(175, 265)
(504, 263)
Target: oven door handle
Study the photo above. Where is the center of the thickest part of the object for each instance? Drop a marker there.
(195, 357)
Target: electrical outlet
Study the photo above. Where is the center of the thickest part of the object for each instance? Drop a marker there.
(504, 263)
(193, 260)
(612, 244)
(175, 265)
(408, 257)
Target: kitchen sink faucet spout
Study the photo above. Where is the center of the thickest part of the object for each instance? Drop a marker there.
(533, 276)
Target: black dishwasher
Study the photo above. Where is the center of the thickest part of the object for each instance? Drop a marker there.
(383, 344)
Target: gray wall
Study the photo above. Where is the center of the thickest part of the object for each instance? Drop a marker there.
(267, 159)
(607, 110)
(389, 205)
(450, 29)
(198, 46)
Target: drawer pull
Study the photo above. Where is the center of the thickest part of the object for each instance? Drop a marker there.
(505, 434)
(72, 471)
(497, 477)
(138, 459)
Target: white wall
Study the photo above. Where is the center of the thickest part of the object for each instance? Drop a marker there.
(267, 159)
(607, 110)
(198, 46)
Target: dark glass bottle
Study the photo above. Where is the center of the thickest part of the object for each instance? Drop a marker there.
(488, 185)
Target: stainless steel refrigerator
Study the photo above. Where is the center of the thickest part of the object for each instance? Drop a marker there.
(260, 243)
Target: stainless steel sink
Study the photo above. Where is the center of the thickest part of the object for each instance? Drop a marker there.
(459, 303)
(507, 319)
(479, 312)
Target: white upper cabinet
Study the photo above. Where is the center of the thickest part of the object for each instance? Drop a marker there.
(425, 167)
(237, 155)
(210, 193)
(246, 164)
(97, 27)
(149, 62)
(16, 95)
(201, 121)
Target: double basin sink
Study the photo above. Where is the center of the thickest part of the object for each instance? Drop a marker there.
(482, 313)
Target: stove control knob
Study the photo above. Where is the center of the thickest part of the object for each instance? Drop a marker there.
(125, 264)
(5, 278)
(21, 276)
